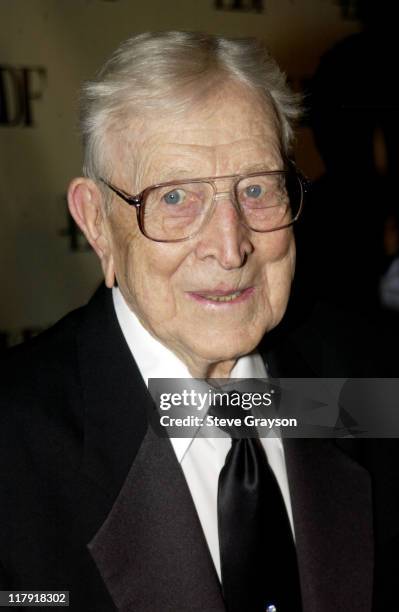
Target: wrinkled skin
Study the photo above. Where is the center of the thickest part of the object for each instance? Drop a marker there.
(164, 284)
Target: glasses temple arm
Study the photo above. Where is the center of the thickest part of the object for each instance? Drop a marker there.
(129, 199)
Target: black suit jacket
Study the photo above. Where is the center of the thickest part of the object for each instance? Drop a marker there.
(93, 502)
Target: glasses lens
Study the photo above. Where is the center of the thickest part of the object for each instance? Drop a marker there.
(267, 202)
(270, 201)
(175, 212)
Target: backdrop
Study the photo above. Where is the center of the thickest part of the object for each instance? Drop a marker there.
(48, 47)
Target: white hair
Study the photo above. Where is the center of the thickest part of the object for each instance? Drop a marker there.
(169, 71)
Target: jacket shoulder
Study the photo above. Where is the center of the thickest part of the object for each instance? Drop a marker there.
(41, 361)
(40, 395)
(326, 341)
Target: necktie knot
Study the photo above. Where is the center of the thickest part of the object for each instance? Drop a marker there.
(232, 418)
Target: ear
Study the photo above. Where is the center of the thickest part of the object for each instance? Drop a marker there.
(86, 207)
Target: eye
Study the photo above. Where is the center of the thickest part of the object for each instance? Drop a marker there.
(176, 196)
(253, 191)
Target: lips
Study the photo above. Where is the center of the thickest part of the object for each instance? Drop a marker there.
(221, 296)
(228, 297)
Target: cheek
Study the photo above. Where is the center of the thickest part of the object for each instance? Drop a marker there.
(278, 265)
(147, 273)
(276, 247)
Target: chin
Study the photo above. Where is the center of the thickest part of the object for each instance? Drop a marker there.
(228, 348)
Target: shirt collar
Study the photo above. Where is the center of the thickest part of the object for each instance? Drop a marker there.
(155, 360)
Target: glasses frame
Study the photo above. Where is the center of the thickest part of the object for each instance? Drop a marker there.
(138, 200)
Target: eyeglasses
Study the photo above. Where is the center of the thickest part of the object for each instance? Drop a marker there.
(178, 210)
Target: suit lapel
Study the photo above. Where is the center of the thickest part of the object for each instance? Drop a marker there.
(116, 400)
(331, 501)
(332, 509)
(150, 549)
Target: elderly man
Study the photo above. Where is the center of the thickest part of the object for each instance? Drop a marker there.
(189, 200)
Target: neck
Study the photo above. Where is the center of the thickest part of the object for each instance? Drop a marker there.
(221, 369)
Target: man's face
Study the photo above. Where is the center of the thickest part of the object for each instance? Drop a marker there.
(175, 288)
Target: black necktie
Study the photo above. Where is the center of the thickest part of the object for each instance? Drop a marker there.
(257, 550)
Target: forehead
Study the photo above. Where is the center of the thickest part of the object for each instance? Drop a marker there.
(233, 131)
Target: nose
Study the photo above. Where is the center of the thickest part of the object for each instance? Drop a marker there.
(225, 238)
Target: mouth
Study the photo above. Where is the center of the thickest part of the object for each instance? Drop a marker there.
(220, 297)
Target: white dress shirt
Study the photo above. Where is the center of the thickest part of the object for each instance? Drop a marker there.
(201, 459)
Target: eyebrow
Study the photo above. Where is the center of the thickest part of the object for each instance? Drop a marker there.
(180, 173)
(174, 172)
(259, 167)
